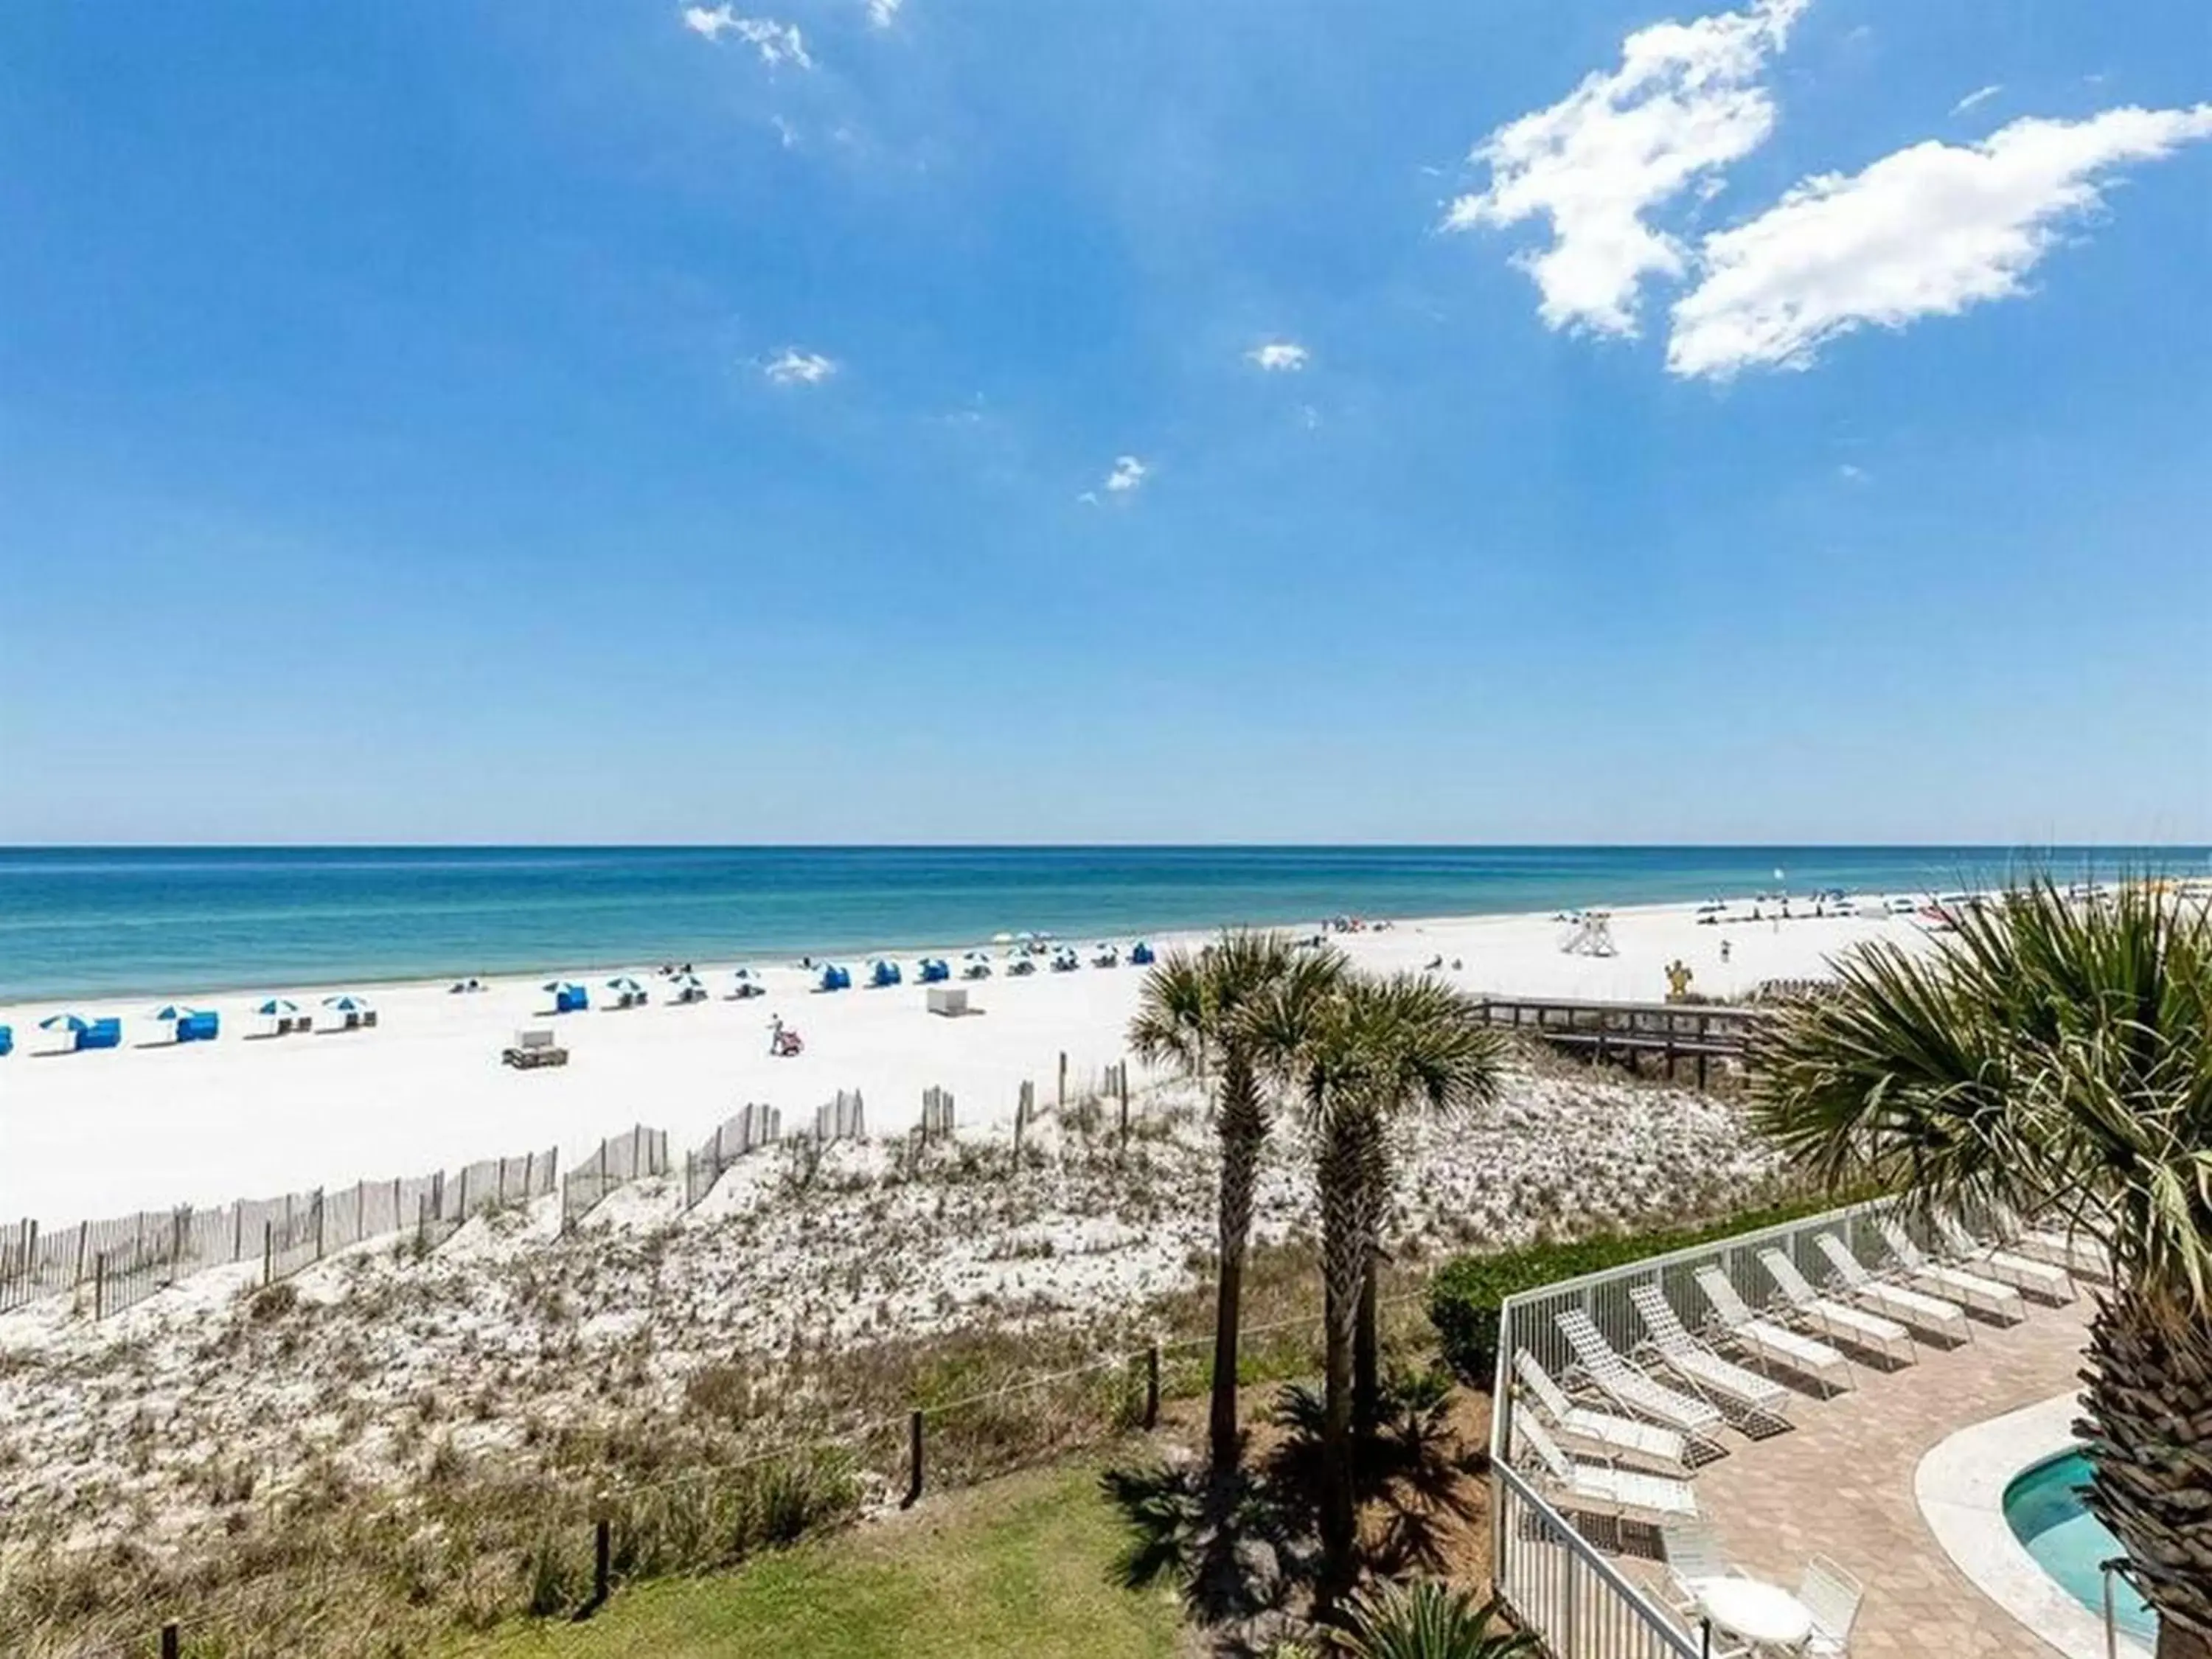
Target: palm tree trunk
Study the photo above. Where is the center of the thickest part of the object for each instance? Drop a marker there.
(1244, 1129)
(1344, 1235)
(2149, 1439)
(1367, 1342)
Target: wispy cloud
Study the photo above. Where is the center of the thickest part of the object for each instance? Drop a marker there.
(792, 367)
(882, 12)
(1978, 96)
(1684, 102)
(1279, 356)
(1128, 474)
(1852, 474)
(776, 43)
(1926, 231)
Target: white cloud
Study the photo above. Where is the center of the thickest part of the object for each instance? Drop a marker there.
(792, 367)
(1128, 475)
(881, 12)
(1978, 96)
(1926, 231)
(1852, 474)
(1684, 102)
(1281, 356)
(776, 43)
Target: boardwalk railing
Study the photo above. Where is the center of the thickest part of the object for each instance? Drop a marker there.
(1698, 1032)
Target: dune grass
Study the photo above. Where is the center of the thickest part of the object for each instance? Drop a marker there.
(1015, 1567)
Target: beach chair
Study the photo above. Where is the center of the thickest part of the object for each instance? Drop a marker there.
(1629, 1388)
(2044, 1278)
(1918, 1309)
(1777, 1345)
(1599, 1488)
(1832, 1597)
(1625, 1437)
(1837, 1320)
(1694, 1559)
(2076, 1252)
(1985, 1295)
(1698, 1365)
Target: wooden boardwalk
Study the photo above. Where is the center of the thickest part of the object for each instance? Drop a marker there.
(1699, 1033)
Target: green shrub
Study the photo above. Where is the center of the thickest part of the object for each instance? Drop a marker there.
(1467, 1292)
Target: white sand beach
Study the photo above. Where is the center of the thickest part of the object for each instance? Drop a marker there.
(152, 1124)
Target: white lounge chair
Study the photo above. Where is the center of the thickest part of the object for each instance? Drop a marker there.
(1832, 1597)
(1698, 1365)
(1600, 1488)
(1626, 1438)
(1918, 1309)
(2044, 1278)
(2076, 1252)
(1777, 1345)
(1628, 1388)
(1982, 1294)
(1839, 1320)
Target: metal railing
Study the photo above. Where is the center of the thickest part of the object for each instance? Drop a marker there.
(1559, 1586)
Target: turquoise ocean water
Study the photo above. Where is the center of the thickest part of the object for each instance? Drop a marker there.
(105, 922)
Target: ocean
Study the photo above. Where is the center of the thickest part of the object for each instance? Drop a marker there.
(94, 921)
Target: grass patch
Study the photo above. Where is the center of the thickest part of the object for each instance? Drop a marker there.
(1019, 1567)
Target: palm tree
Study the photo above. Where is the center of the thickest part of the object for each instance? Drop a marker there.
(1425, 1619)
(1188, 1015)
(1433, 1053)
(2056, 1058)
(1356, 1050)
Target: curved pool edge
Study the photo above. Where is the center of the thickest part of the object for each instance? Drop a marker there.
(1961, 1486)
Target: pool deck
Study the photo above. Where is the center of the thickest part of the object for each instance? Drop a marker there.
(1841, 1484)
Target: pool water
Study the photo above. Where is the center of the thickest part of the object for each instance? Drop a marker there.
(2044, 1507)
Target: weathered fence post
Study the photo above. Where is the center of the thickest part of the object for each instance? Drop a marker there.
(913, 1460)
(171, 1640)
(267, 1250)
(1121, 1089)
(99, 1286)
(1062, 1101)
(1153, 1386)
(602, 1557)
(322, 1212)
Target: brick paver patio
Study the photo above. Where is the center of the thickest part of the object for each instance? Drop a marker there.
(1839, 1484)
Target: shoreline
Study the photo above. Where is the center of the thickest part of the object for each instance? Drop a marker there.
(20, 1010)
(148, 1126)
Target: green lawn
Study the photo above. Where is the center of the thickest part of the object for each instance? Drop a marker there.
(1016, 1567)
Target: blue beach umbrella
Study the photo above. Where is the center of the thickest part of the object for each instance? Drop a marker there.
(560, 985)
(276, 1005)
(624, 982)
(170, 1012)
(346, 1004)
(64, 1023)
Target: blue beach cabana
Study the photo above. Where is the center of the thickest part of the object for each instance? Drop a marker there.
(84, 1033)
(568, 998)
(1140, 954)
(7, 1039)
(835, 978)
(883, 973)
(188, 1025)
(931, 969)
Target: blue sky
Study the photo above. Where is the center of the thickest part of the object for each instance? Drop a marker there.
(522, 421)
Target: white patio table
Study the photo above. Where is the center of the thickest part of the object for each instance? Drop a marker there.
(1756, 1611)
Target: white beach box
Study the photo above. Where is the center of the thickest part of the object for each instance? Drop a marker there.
(951, 999)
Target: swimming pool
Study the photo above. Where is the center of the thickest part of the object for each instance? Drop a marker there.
(2044, 1507)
